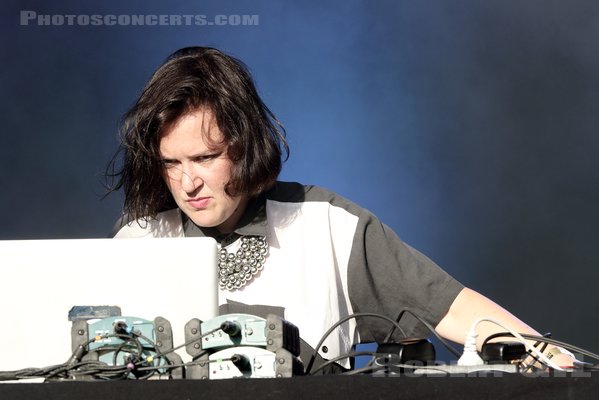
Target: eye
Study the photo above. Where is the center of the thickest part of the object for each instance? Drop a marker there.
(206, 157)
(168, 163)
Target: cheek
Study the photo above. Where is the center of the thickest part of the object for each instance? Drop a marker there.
(222, 174)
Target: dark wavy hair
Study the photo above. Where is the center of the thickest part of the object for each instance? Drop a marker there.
(191, 78)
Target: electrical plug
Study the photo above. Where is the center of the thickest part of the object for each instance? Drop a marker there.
(470, 355)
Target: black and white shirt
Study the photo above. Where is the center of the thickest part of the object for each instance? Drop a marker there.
(327, 258)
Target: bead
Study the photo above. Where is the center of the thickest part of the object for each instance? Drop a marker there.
(236, 269)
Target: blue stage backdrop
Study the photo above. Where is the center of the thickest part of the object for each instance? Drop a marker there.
(469, 127)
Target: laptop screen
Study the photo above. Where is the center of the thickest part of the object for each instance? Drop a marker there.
(41, 280)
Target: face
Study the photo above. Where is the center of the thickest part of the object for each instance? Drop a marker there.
(196, 170)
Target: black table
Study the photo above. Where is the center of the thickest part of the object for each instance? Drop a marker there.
(580, 386)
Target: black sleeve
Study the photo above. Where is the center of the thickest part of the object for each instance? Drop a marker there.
(386, 275)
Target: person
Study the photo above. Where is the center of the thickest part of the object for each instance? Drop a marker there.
(202, 154)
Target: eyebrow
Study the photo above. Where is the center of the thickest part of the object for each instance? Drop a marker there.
(196, 155)
(207, 154)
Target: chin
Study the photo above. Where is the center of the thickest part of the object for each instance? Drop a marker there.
(202, 222)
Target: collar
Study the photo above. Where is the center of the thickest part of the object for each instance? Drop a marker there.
(253, 222)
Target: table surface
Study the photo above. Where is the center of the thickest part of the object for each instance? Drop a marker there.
(333, 387)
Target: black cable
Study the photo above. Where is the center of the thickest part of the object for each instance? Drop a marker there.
(528, 353)
(166, 366)
(562, 344)
(128, 340)
(75, 367)
(508, 334)
(117, 350)
(98, 369)
(203, 335)
(586, 366)
(554, 342)
(48, 372)
(427, 325)
(68, 367)
(372, 368)
(37, 372)
(495, 336)
(392, 331)
(104, 371)
(130, 345)
(135, 349)
(337, 324)
(534, 357)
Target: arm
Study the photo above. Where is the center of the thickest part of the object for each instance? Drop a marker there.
(469, 306)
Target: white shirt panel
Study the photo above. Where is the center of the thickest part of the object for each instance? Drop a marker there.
(309, 278)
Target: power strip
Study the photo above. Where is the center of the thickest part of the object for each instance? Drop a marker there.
(453, 369)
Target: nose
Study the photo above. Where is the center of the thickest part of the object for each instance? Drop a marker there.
(190, 180)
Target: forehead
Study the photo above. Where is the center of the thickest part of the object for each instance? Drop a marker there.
(193, 132)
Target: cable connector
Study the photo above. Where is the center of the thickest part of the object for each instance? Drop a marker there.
(121, 328)
(231, 328)
(470, 355)
(470, 345)
(77, 355)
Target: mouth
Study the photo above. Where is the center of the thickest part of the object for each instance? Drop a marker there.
(199, 202)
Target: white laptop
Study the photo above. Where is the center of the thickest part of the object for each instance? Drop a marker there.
(41, 280)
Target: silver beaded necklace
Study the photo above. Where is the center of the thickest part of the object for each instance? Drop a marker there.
(237, 270)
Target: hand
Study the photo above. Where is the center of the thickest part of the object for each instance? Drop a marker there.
(560, 357)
